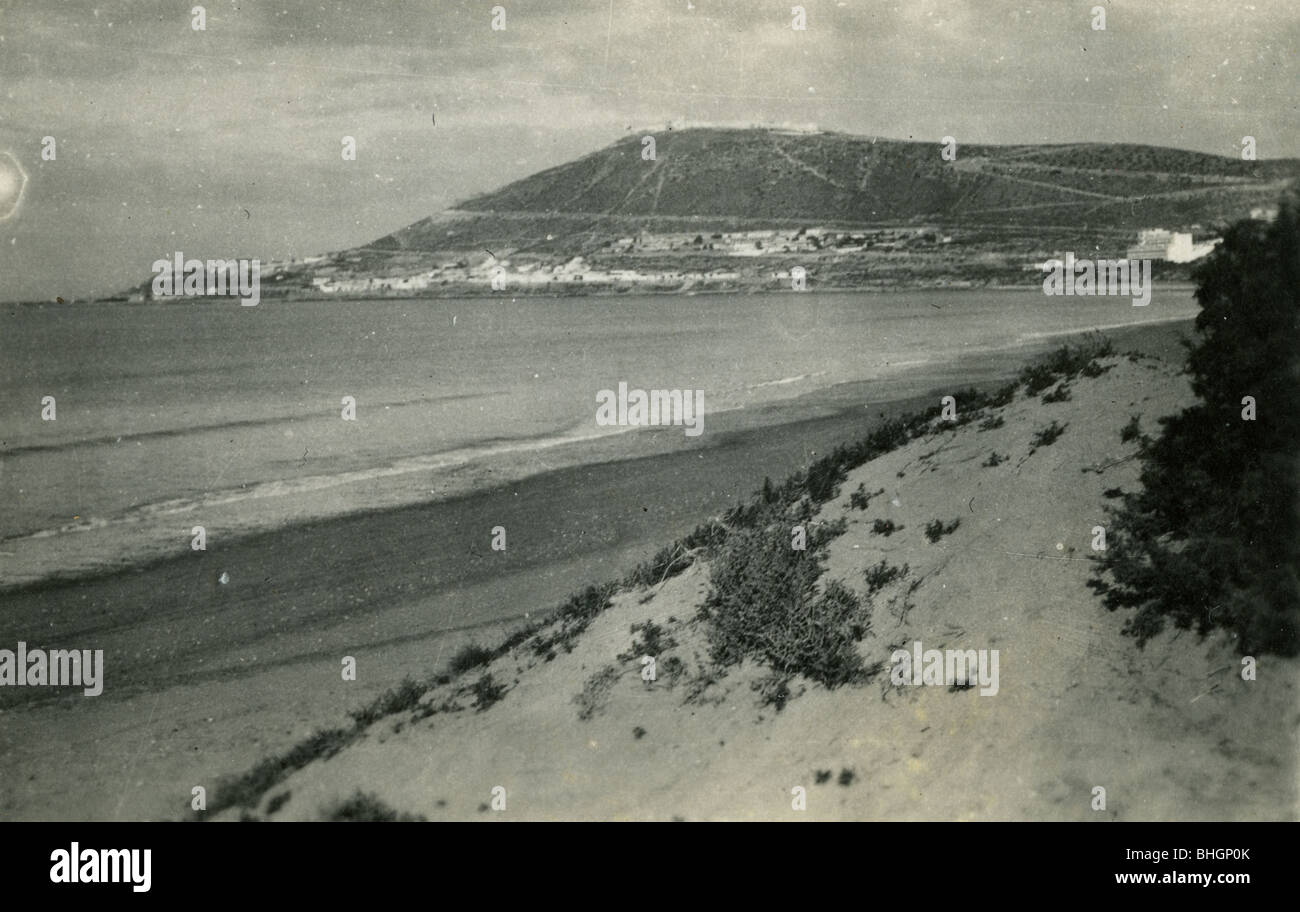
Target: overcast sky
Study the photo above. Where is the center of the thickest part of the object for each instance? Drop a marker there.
(226, 142)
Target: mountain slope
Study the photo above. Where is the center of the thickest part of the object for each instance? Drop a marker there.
(781, 177)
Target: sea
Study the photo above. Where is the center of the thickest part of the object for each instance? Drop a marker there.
(172, 416)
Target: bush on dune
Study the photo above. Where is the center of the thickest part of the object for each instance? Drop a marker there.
(1212, 540)
(764, 604)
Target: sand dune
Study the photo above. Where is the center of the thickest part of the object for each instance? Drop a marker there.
(1170, 732)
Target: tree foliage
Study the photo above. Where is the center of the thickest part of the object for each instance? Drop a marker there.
(1212, 540)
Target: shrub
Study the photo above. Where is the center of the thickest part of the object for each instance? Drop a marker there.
(1066, 362)
(277, 801)
(366, 807)
(773, 689)
(860, 499)
(1004, 396)
(1048, 435)
(652, 642)
(1132, 430)
(572, 618)
(881, 575)
(763, 604)
(937, 529)
(994, 460)
(1213, 538)
(675, 558)
(991, 423)
(1060, 394)
(884, 527)
(470, 656)
(487, 692)
(595, 692)
(247, 788)
(404, 696)
(1036, 378)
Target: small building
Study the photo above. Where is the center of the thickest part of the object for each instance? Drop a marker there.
(1173, 246)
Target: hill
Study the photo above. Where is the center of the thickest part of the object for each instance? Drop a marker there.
(734, 177)
(740, 209)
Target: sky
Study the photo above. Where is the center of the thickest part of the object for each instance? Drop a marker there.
(226, 142)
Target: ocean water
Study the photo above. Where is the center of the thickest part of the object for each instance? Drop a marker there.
(208, 413)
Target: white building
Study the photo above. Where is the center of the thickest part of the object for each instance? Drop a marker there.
(1174, 246)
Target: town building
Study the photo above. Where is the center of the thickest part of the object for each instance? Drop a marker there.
(1173, 246)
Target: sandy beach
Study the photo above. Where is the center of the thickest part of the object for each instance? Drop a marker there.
(207, 678)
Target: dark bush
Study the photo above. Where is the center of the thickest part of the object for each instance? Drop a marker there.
(366, 807)
(1213, 539)
(470, 656)
(1048, 435)
(1060, 394)
(937, 529)
(487, 692)
(860, 499)
(404, 696)
(1132, 430)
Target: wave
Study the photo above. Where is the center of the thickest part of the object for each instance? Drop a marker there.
(785, 380)
(308, 484)
(195, 429)
(1057, 333)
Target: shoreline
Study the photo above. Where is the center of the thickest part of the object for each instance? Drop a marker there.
(144, 538)
(475, 292)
